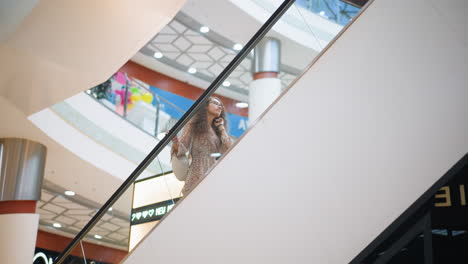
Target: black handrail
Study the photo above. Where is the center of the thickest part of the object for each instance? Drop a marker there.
(178, 126)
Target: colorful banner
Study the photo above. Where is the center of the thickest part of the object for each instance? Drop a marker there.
(237, 123)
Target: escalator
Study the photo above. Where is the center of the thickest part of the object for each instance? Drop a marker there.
(319, 175)
(434, 229)
(77, 248)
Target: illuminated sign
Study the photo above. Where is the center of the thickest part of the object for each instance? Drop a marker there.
(450, 204)
(43, 256)
(449, 196)
(152, 212)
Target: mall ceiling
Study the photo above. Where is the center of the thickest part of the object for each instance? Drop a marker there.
(182, 47)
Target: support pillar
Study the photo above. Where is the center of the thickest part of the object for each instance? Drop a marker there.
(266, 86)
(22, 165)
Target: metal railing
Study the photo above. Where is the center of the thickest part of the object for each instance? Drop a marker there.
(338, 11)
(157, 104)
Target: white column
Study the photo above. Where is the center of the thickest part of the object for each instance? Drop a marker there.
(22, 165)
(262, 93)
(19, 232)
(266, 86)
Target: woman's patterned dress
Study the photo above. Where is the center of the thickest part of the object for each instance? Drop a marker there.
(203, 145)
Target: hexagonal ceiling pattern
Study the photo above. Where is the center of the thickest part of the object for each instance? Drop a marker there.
(184, 47)
(74, 212)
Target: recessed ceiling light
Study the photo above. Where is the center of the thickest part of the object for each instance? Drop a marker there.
(237, 46)
(226, 84)
(158, 55)
(110, 209)
(242, 105)
(69, 193)
(57, 225)
(204, 29)
(97, 237)
(192, 70)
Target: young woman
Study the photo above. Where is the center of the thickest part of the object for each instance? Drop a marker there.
(205, 135)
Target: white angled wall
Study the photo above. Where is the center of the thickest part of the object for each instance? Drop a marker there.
(19, 232)
(62, 48)
(376, 121)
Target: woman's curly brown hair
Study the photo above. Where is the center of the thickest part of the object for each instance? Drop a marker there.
(198, 124)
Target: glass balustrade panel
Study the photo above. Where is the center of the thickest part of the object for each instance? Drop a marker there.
(273, 66)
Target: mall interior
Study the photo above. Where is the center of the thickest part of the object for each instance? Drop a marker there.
(347, 119)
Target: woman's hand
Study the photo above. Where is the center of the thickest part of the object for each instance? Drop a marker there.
(219, 123)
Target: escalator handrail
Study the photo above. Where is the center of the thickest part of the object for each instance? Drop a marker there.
(264, 29)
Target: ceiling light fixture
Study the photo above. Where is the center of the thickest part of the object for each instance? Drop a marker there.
(97, 236)
(242, 105)
(158, 55)
(226, 84)
(204, 29)
(110, 209)
(57, 225)
(69, 193)
(192, 70)
(237, 46)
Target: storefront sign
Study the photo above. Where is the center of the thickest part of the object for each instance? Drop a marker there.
(450, 204)
(43, 256)
(152, 212)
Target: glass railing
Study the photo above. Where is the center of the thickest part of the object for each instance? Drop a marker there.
(199, 132)
(138, 103)
(338, 11)
(434, 230)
